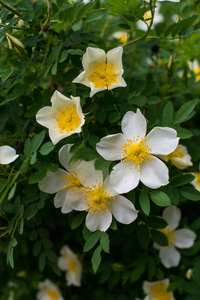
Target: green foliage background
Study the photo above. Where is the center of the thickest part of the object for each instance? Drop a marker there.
(159, 82)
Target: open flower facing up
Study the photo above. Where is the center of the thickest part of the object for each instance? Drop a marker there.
(64, 183)
(102, 71)
(100, 200)
(180, 238)
(136, 152)
(64, 118)
(7, 155)
(157, 290)
(48, 291)
(179, 157)
(69, 261)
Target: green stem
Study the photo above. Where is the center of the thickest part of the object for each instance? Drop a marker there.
(10, 8)
(48, 19)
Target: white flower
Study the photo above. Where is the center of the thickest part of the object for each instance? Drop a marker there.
(69, 261)
(180, 238)
(194, 66)
(135, 150)
(48, 291)
(122, 36)
(179, 157)
(102, 71)
(196, 181)
(7, 155)
(157, 290)
(64, 183)
(100, 200)
(147, 18)
(64, 118)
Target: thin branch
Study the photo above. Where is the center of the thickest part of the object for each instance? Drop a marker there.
(10, 8)
(48, 19)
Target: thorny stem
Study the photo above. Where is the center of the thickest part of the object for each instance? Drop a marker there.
(10, 8)
(48, 19)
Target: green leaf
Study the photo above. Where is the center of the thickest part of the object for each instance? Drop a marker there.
(144, 202)
(101, 163)
(182, 180)
(37, 247)
(174, 195)
(143, 235)
(86, 154)
(159, 238)
(77, 220)
(51, 256)
(190, 193)
(37, 176)
(196, 271)
(47, 148)
(156, 222)
(92, 240)
(160, 198)
(42, 261)
(137, 272)
(96, 258)
(167, 116)
(105, 242)
(184, 111)
(114, 117)
(84, 9)
(37, 141)
(183, 133)
(133, 5)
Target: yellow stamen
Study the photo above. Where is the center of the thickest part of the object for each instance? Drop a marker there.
(175, 153)
(197, 179)
(103, 75)
(136, 151)
(159, 291)
(169, 234)
(68, 119)
(52, 295)
(97, 199)
(71, 180)
(197, 73)
(72, 266)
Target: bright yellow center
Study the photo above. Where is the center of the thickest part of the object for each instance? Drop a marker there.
(136, 151)
(197, 179)
(159, 291)
(175, 153)
(97, 199)
(72, 266)
(68, 119)
(103, 75)
(147, 16)
(53, 295)
(169, 234)
(71, 180)
(197, 73)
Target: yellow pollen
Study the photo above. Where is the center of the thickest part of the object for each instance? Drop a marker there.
(103, 75)
(159, 291)
(169, 234)
(136, 151)
(123, 38)
(72, 266)
(97, 199)
(53, 295)
(197, 179)
(175, 153)
(197, 73)
(68, 119)
(71, 180)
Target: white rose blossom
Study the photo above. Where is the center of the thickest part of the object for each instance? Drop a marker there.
(7, 155)
(69, 262)
(48, 291)
(63, 118)
(64, 183)
(157, 290)
(102, 70)
(196, 181)
(137, 151)
(100, 200)
(179, 157)
(179, 238)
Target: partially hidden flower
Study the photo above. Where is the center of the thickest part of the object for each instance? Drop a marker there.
(70, 262)
(179, 157)
(196, 181)
(102, 70)
(15, 44)
(64, 183)
(179, 238)
(121, 36)
(147, 17)
(48, 291)
(137, 151)
(7, 155)
(195, 67)
(63, 118)
(157, 290)
(100, 200)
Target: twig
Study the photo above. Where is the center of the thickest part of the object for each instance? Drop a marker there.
(10, 8)
(48, 19)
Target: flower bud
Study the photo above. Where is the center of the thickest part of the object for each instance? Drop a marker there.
(14, 44)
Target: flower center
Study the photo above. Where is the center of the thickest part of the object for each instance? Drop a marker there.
(197, 72)
(71, 180)
(197, 178)
(68, 119)
(175, 153)
(53, 295)
(135, 150)
(72, 266)
(159, 291)
(103, 75)
(97, 199)
(169, 234)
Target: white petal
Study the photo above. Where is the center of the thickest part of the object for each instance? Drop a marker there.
(110, 147)
(124, 177)
(162, 140)
(62, 263)
(182, 163)
(108, 188)
(65, 157)
(59, 100)
(59, 199)
(7, 155)
(123, 210)
(88, 175)
(154, 173)
(92, 57)
(95, 90)
(76, 200)
(53, 182)
(134, 125)
(169, 256)
(172, 215)
(114, 56)
(196, 181)
(45, 117)
(184, 238)
(120, 82)
(99, 221)
(56, 136)
(66, 208)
